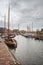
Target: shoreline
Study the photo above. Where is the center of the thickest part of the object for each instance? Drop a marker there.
(6, 57)
(16, 62)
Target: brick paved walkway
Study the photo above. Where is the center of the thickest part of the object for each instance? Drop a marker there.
(5, 56)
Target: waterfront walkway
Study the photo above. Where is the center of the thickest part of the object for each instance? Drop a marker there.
(5, 56)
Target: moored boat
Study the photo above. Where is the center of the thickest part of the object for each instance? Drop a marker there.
(11, 42)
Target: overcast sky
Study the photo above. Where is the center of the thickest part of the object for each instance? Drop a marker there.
(22, 12)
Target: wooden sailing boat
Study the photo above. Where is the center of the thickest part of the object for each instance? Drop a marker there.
(8, 40)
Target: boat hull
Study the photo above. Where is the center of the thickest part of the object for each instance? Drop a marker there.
(11, 43)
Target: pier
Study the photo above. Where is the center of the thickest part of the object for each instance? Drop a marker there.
(6, 57)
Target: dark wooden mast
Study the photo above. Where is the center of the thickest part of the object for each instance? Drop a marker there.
(4, 25)
(8, 20)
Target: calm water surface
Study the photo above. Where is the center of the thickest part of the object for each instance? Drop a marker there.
(29, 51)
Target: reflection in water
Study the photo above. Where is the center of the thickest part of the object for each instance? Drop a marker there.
(29, 51)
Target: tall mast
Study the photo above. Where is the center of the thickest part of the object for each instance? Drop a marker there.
(18, 26)
(8, 19)
(27, 28)
(32, 26)
(4, 24)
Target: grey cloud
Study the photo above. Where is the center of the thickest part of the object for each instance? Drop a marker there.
(27, 11)
(31, 10)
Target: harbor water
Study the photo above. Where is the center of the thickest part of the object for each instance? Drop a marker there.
(29, 51)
